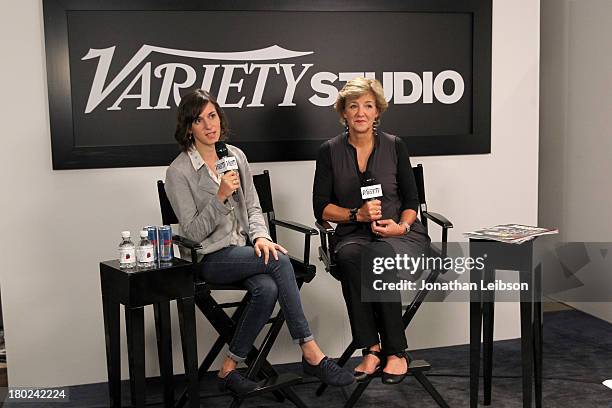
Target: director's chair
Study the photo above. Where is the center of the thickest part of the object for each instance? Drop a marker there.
(417, 368)
(258, 368)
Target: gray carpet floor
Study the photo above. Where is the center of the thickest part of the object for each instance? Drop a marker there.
(577, 358)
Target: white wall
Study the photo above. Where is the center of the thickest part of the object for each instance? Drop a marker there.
(575, 144)
(63, 222)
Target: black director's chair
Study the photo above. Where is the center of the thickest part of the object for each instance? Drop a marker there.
(417, 368)
(225, 324)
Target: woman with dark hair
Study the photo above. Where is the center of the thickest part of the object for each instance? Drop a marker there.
(385, 226)
(226, 225)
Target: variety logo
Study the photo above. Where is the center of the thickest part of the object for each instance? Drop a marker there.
(400, 87)
(371, 191)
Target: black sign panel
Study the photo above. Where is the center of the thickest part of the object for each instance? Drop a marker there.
(116, 73)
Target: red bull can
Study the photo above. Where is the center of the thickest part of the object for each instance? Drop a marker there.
(152, 230)
(165, 243)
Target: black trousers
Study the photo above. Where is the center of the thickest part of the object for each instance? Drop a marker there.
(371, 322)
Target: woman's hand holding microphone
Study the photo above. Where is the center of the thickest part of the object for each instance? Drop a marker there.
(230, 182)
(371, 211)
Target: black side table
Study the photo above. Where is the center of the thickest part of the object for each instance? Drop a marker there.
(136, 288)
(512, 257)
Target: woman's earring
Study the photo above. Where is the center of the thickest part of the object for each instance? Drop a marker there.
(375, 125)
(346, 127)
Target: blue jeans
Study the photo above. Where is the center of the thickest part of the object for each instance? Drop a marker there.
(266, 284)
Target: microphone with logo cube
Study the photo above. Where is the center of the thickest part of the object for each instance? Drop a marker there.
(370, 190)
(226, 162)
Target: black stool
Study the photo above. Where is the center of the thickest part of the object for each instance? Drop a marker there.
(512, 257)
(136, 288)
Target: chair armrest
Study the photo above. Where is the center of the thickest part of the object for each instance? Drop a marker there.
(295, 226)
(438, 219)
(192, 246)
(325, 227)
(307, 231)
(326, 250)
(185, 242)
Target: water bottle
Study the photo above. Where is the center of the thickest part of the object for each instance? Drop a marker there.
(144, 252)
(127, 251)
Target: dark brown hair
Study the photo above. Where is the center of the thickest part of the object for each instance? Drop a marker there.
(189, 109)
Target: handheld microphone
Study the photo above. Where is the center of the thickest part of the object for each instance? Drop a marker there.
(370, 190)
(226, 162)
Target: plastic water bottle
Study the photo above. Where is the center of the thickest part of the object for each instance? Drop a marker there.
(144, 253)
(127, 251)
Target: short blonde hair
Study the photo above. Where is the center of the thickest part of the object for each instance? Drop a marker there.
(357, 87)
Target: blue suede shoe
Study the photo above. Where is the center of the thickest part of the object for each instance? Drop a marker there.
(236, 383)
(329, 372)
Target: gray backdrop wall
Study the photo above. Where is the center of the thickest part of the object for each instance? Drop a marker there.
(576, 124)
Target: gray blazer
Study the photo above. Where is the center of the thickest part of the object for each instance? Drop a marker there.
(202, 217)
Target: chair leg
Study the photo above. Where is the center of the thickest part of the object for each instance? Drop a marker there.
(210, 357)
(266, 346)
(414, 306)
(257, 359)
(268, 371)
(186, 312)
(222, 323)
(421, 378)
(236, 402)
(264, 372)
(259, 362)
(356, 394)
(293, 397)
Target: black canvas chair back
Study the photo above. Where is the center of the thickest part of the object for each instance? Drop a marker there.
(258, 366)
(167, 213)
(327, 254)
(262, 185)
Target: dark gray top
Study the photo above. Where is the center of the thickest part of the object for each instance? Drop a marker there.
(338, 181)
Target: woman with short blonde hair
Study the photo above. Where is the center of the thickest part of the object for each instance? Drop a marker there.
(357, 87)
(386, 226)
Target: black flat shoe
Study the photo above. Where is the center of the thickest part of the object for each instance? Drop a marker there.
(392, 379)
(361, 376)
(236, 383)
(329, 372)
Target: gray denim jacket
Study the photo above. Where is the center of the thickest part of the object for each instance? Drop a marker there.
(202, 217)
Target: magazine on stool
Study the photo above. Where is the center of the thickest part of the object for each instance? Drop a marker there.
(510, 233)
